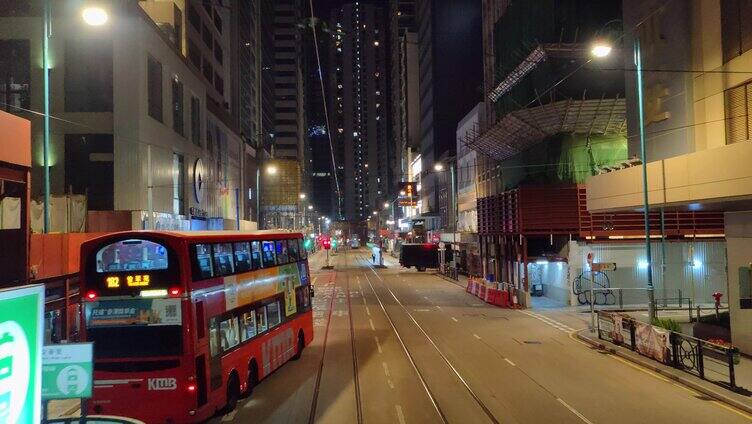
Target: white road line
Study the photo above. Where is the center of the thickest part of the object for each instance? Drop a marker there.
(510, 362)
(438, 307)
(574, 411)
(378, 345)
(455, 319)
(370, 321)
(368, 311)
(390, 383)
(400, 415)
(476, 336)
(230, 416)
(386, 369)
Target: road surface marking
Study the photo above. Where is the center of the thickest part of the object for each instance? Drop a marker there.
(476, 336)
(390, 383)
(574, 411)
(368, 311)
(400, 415)
(370, 321)
(639, 368)
(510, 362)
(694, 393)
(378, 345)
(734, 410)
(386, 369)
(230, 416)
(438, 307)
(550, 321)
(455, 319)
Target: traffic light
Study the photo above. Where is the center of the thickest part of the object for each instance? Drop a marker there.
(327, 243)
(334, 243)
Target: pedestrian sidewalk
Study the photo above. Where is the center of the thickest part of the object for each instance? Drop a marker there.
(63, 408)
(743, 373)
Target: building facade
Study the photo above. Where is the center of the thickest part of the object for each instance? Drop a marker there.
(448, 33)
(358, 95)
(697, 136)
(143, 116)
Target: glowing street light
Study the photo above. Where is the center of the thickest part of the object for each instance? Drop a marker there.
(310, 207)
(375, 212)
(601, 49)
(94, 16)
(302, 195)
(271, 170)
(386, 205)
(438, 167)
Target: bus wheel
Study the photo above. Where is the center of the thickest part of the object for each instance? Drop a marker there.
(301, 346)
(233, 393)
(252, 378)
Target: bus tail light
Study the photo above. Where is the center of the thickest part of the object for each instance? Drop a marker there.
(174, 291)
(191, 388)
(91, 295)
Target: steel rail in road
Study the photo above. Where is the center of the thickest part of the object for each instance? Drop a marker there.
(443, 356)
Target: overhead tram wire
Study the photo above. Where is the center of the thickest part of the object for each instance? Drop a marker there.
(326, 109)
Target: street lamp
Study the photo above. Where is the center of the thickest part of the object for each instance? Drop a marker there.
(94, 16)
(438, 167)
(302, 195)
(310, 207)
(600, 50)
(271, 170)
(375, 213)
(386, 205)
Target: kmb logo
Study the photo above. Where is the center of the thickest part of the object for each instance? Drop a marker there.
(163, 384)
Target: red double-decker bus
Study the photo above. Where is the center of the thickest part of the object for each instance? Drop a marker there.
(185, 323)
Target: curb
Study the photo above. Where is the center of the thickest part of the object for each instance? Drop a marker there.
(653, 367)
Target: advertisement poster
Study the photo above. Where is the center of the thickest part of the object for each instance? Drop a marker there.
(250, 287)
(289, 281)
(134, 311)
(21, 332)
(651, 342)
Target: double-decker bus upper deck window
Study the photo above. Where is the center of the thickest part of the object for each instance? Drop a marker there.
(293, 250)
(242, 257)
(203, 262)
(132, 255)
(282, 252)
(223, 262)
(268, 254)
(303, 251)
(256, 254)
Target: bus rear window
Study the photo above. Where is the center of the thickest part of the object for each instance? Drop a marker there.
(138, 341)
(132, 255)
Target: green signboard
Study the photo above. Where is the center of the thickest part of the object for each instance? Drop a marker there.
(21, 332)
(67, 371)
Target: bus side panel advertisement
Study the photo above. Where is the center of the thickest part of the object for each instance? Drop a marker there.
(134, 312)
(287, 286)
(21, 331)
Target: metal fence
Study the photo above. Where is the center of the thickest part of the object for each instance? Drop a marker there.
(61, 307)
(709, 361)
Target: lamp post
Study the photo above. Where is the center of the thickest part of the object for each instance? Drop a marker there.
(92, 16)
(600, 50)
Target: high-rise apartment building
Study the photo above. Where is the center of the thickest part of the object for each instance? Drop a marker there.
(279, 193)
(359, 97)
(449, 44)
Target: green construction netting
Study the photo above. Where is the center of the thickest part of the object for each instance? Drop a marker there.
(581, 156)
(565, 158)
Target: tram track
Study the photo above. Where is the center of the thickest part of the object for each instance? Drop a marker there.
(320, 371)
(429, 392)
(321, 366)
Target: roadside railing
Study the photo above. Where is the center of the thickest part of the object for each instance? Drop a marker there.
(61, 306)
(710, 361)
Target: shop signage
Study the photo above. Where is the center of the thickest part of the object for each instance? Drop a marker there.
(408, 194)
(67, 371)
(21, 332)
(198, 180)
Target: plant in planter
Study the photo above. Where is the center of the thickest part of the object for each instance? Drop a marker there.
(668, 324)
(734, 351)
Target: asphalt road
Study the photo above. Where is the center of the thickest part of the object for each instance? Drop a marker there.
(398, 346)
